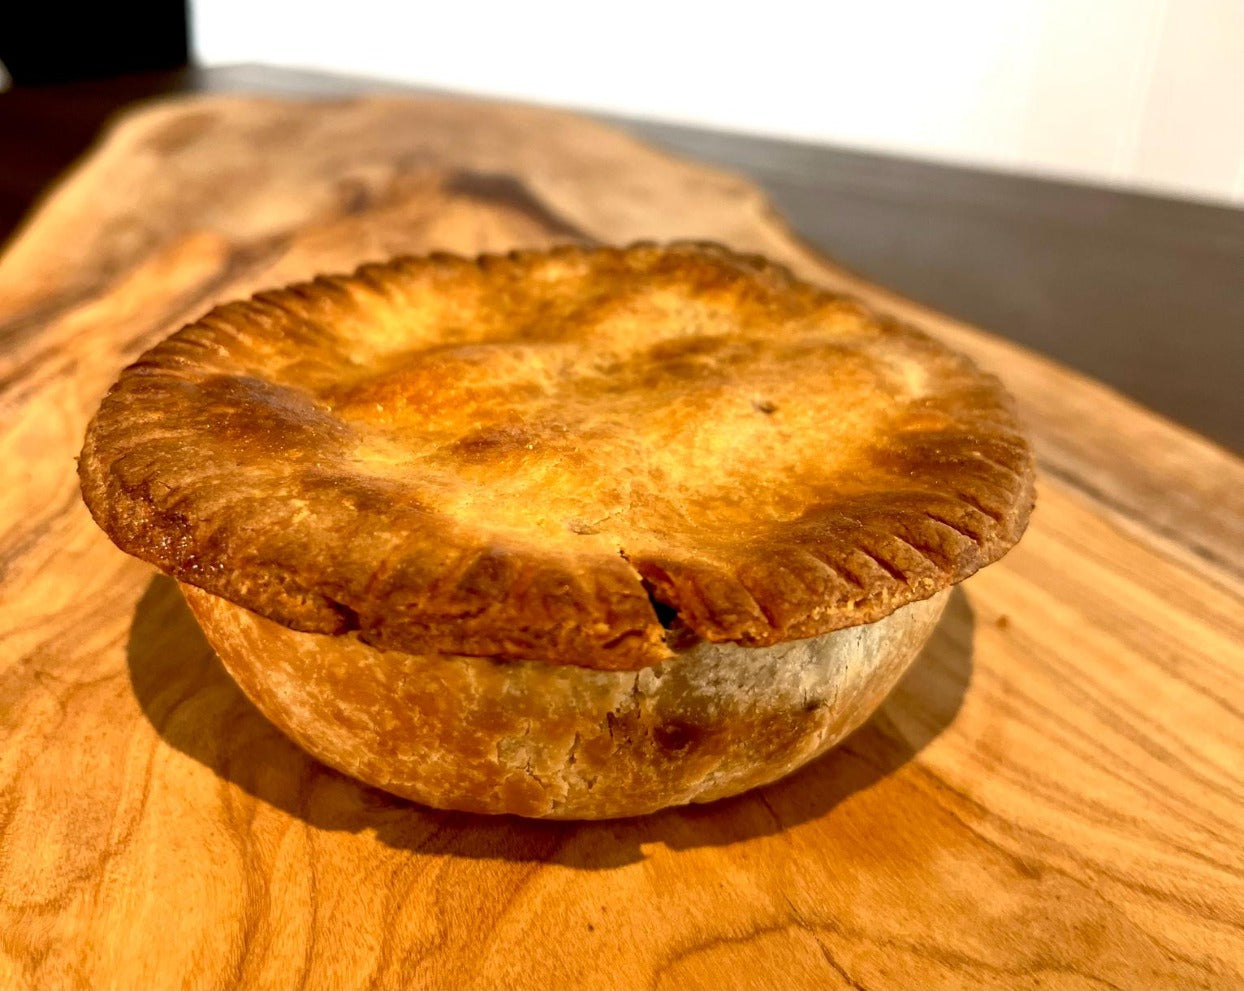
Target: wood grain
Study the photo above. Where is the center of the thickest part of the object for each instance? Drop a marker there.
(1053, 797)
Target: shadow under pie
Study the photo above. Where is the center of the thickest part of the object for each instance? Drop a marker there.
(195, 706)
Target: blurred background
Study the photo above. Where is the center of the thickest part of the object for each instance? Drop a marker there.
(1064, 173)
(1146, 94)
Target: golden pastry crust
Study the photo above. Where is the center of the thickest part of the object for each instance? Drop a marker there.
(527, 456)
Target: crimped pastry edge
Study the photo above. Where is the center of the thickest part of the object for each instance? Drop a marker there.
(905, 550)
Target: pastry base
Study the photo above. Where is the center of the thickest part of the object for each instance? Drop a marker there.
(559, 741)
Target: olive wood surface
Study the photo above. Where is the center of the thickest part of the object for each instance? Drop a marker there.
(1052, 797)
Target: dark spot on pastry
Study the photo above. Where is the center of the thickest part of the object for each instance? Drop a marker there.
(491, 442)
(811, 705)
(349, 617)
(1003, 622)
(619, 727)
(667, 615)
(765, 406)
(700, 345)
(676, 737)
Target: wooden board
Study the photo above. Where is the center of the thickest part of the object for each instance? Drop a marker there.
(1053, 797)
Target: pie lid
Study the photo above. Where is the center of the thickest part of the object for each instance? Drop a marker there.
(575, 456)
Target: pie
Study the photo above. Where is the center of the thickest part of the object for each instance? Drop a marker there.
(576, 533)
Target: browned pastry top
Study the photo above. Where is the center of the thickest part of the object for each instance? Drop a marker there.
(558, 455)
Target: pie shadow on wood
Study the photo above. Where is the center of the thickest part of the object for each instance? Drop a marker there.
(196, 708)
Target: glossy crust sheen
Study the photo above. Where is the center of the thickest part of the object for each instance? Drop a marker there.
(531, 456)
(561, 741)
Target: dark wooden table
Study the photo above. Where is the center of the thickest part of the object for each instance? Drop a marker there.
(1144, 293)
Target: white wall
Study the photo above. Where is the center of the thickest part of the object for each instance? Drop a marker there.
(1143, 93)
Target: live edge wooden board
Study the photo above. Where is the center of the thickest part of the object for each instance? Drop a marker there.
(1053, 797)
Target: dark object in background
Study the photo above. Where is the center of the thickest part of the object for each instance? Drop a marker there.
(46, 42)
